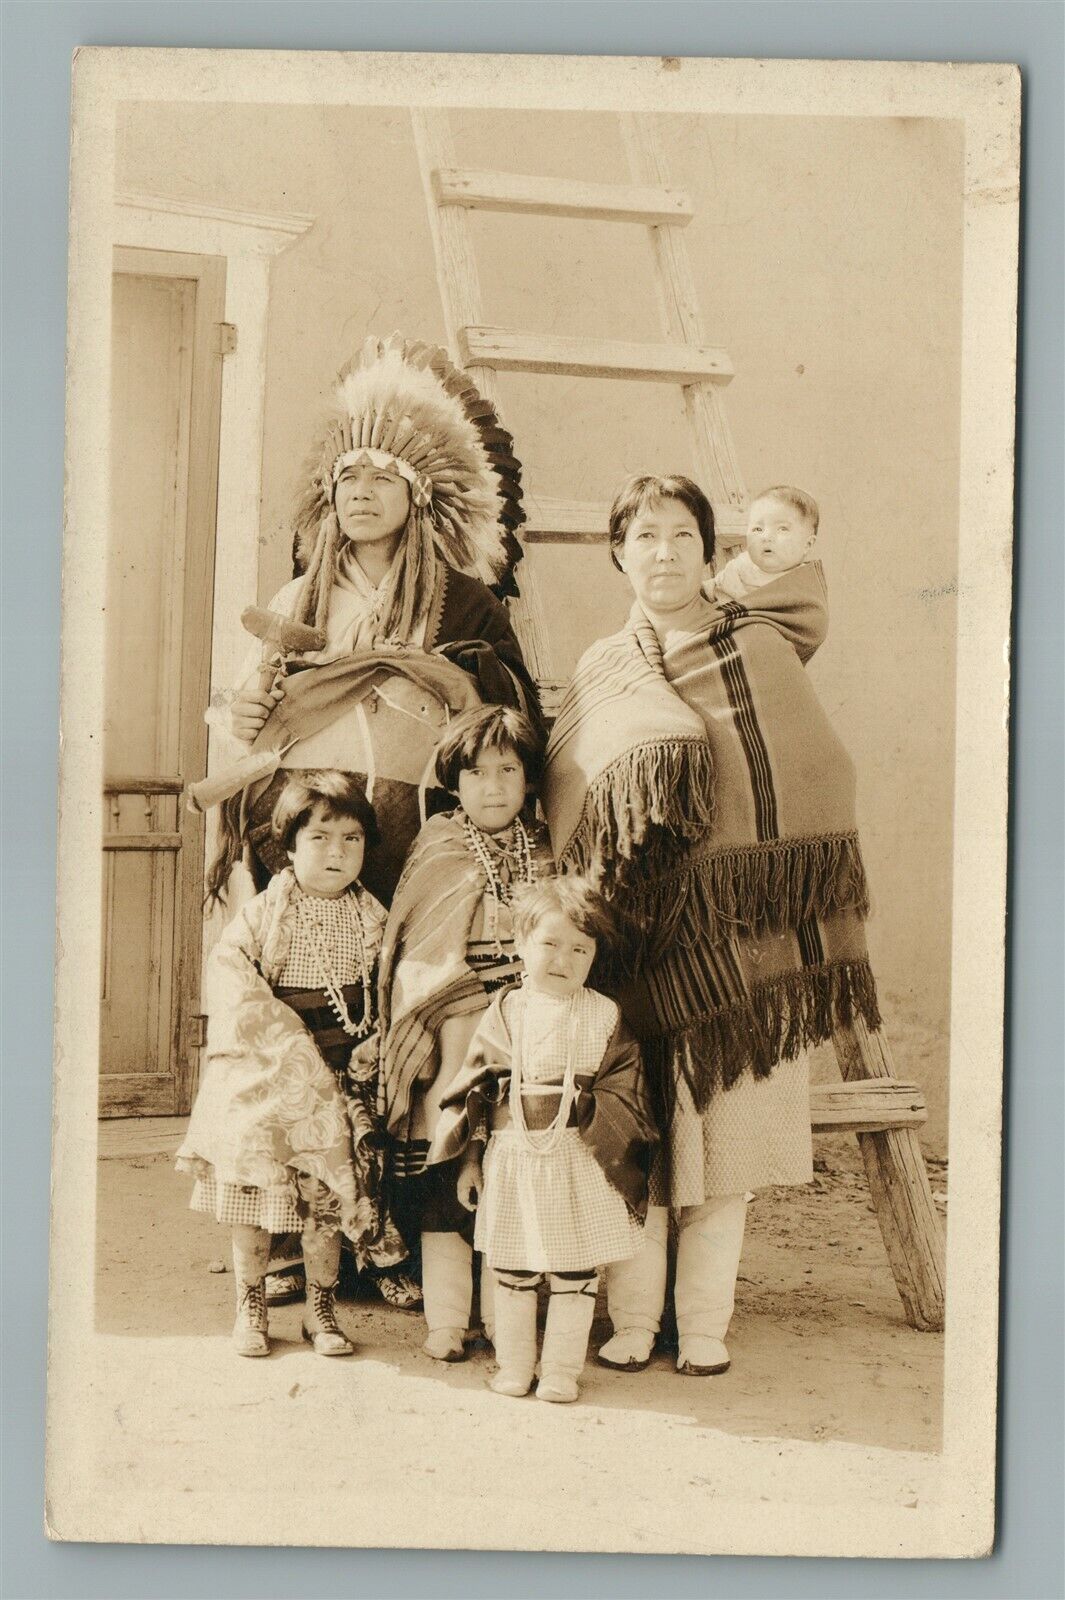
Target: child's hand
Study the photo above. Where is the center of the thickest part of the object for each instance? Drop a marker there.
(250, 710)
(469, 1183)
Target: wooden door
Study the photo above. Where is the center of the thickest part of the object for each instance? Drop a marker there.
(165, 392)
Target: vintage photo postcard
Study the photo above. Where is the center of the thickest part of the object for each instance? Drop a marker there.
(532, 844)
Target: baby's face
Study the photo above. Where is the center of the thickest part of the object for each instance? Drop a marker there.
(557, 955)
(778, 536)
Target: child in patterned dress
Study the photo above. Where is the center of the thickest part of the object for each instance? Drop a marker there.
(554, 1073)
(283, 1135)
(448, 949)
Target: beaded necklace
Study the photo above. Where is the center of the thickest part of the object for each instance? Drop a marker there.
(308, 920)
(544, 1141)
(500, 893)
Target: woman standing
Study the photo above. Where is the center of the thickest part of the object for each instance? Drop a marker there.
(694, 774)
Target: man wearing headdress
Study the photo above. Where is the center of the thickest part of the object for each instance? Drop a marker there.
(409, 509)
(408, 513)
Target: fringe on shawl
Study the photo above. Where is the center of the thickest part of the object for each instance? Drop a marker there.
(776, 1021)
(754, 889)
(652, 802)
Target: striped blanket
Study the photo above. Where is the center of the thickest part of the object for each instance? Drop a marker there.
(425, 976)
(707, 792)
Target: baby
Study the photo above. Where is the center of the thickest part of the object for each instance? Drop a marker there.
(781, 529)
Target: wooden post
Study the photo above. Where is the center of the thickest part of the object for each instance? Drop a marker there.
(898, 1183)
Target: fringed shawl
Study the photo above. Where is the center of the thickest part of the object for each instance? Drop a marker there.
(708, 794)
(615, 1117)
(424, 976)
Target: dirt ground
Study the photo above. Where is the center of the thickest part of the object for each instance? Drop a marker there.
(820, 1352)
(819, 1345)
(190, 1443)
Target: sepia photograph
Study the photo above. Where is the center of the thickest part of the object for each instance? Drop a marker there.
(536, 616)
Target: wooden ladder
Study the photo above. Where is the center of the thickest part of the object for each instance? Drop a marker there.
(885, 1120)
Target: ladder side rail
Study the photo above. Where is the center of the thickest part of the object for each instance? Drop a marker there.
(460, 294)
(716, 461)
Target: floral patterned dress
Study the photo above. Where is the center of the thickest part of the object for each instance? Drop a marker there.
(285, 1119)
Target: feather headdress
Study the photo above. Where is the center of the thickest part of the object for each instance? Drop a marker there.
(408, 401)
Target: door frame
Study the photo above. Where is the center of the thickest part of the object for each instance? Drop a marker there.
(250, 242)
(134, 1094)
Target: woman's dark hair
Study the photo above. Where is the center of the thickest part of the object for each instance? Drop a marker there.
(575, 896)
(488, 728)
(339, 793)
(647, 489)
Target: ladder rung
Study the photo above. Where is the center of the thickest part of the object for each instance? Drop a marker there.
(870, 1105)
(553, 521)
(506, 351)
(561, 197)
(564, 521)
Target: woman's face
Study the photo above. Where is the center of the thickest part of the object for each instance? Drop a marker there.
(662, 556)
(372, 504)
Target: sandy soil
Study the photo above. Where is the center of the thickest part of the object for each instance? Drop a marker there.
(843, 1399)
(819, 1345)
(820, 1353)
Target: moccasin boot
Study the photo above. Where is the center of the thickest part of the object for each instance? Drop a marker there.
(635, 1297)
(515, 1338)
(708, 1259)
(447, 1287)
(569, 1322)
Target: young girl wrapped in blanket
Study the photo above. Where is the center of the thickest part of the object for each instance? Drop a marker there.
(556, 1076)
(283, 1135)
(448, 949)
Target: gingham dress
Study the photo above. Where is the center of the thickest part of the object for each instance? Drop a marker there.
(275, 1209)
(553, 1211)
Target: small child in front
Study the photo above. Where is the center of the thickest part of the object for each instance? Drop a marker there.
(781, 529)
(556, 1076)
(448, 949)
(283, 1135)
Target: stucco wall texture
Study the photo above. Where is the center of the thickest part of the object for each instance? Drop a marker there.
(827, 254)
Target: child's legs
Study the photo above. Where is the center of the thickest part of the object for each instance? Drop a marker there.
(708, 1259)
(570, 1310)
(321, 1235)
(447, 1280)
(251, 1253)
(487, 1300)
(636, 1288)
(515, 1329)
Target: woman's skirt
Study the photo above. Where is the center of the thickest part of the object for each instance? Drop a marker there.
(551, 1212)
(755, 1135)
